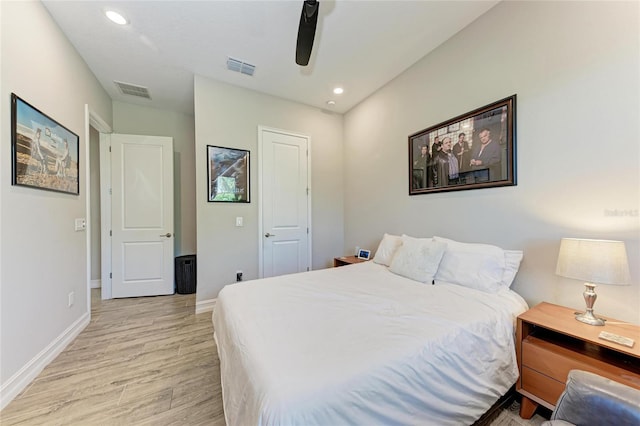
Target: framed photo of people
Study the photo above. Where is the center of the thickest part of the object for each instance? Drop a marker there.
(228, 175)
(471, 151)
(44, 152)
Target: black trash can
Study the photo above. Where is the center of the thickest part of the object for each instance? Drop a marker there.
(185, 271)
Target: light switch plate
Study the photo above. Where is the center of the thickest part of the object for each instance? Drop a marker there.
(81, 224)
(239, 221)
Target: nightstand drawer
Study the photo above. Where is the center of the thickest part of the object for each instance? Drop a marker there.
(542, 386)
(555, 362)
(546, 360)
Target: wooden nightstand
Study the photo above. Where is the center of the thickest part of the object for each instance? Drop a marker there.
(346, 260)
(550, 342)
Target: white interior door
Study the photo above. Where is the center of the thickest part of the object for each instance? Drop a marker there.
(142, 215)
(284, 180)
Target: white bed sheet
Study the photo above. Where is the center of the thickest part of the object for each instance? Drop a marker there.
(360, 345)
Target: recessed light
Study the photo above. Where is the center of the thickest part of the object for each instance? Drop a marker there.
(116, 17)
(338, 90)
(331, 103)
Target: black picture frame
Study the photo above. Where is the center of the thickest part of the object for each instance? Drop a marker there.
(482, 143)
(228, 172)
(45, 154)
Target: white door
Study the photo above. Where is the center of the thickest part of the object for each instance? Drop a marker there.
(284, 180)
(142, 215)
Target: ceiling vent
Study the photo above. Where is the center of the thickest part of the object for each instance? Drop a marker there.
(239, 66)
(133, 90)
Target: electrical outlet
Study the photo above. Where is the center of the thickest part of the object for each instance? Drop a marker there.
(238, 276)
(71, 299)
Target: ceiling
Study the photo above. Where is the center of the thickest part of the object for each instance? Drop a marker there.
(359, 45)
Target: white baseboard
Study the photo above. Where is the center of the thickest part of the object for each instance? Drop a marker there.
(205, 306)
(96, 283)
(30, 371)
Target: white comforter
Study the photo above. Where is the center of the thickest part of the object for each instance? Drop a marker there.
(360, 345)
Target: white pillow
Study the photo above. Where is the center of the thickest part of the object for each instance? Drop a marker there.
(387, 248)
(417, 258)
(512, 259)
(479, 266)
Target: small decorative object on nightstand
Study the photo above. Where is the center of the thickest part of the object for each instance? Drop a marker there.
(346, 260)
(550, 343)
(364, 254)
(593, 261)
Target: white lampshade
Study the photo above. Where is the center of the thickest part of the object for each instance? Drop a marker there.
(594, 261)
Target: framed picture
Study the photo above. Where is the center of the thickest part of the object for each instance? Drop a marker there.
(471, 151)
(364, 254)
(228, 175)
(44, 152)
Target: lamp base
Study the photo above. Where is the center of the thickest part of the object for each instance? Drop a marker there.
(590, 297)
(589, 318)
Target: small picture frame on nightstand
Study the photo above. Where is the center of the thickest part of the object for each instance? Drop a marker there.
(364, 254)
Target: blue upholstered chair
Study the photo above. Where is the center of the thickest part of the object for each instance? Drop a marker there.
(592, 400)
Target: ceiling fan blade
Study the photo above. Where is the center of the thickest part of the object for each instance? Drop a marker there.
(307, 31)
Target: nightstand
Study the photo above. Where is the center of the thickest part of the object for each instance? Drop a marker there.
(346, 260)
(550, 342)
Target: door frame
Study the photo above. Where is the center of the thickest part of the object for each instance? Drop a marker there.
(91, 119)
(105, 215)
(261, 129)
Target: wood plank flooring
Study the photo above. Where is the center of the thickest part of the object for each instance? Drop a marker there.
(142, 361)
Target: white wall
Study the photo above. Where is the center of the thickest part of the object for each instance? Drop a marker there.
(43, 258)
(141, 120)
(575, 67)
(229, 116)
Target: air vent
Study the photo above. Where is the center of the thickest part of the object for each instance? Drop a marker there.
(133, 90)
(239, 66)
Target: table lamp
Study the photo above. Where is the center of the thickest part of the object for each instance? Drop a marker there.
(593, 261)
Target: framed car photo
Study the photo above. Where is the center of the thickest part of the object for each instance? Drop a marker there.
(45, 153)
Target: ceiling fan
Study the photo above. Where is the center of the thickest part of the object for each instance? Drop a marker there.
(307, 31)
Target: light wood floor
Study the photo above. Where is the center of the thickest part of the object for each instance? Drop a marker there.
(142, 361)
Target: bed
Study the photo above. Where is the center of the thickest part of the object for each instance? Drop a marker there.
(364, 345)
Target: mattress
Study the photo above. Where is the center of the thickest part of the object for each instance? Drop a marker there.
(361, 345)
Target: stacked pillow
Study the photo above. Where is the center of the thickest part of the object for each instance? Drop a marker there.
(417, 258)
(480, 266)
(387, 248)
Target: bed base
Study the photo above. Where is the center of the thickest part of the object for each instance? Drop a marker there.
(492, 413)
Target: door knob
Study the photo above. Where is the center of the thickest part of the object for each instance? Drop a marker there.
(269, 235)
(168, 235)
